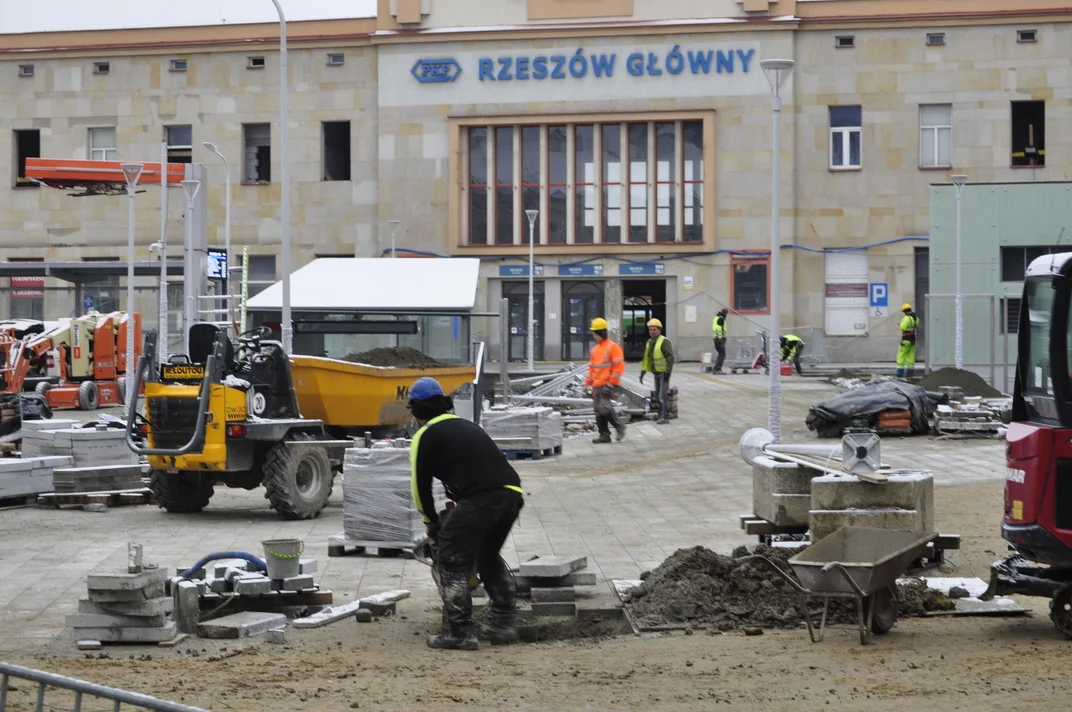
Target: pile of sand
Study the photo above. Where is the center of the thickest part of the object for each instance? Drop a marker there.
(395, 357)
(699, 587)
(971, 383)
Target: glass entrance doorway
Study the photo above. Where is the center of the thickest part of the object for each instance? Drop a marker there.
(641, 300)
(581, 303)
(518, 294)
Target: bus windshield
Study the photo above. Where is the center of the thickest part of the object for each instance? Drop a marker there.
(1036, 376)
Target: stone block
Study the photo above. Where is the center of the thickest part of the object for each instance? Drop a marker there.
(277, 636)
(241, 625)
(187, 606)
(552, 566)
(252, 585)
(141, 594)
(111, 620)
(306, 566)
(151, 607)
(15, 464)
(913, 490)
(363, 615)
(37, 426)
(577, 578)
(126, 635)
(126, 582)
(825, 522)
(297, 583)
(553, 595)
(771, 478)
(219, 585)
(554, 609)
(330, 614)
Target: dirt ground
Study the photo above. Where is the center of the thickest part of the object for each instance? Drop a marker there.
(934, 664)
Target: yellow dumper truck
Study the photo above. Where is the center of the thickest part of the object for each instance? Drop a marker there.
(255, 416)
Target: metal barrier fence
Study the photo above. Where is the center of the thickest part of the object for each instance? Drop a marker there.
(985, 347)
(814, 345)
(81, 689)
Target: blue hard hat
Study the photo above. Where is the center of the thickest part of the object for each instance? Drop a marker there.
(425, 387)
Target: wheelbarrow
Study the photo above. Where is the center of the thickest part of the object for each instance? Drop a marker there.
(853, 562)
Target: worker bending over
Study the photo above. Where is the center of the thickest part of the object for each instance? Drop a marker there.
(906, 352)
(791, 348)
(718, 331)
(606, 364)
(487, 490)
(659, 360)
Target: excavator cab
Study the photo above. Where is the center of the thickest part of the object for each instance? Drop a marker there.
(225, 415)
(1037, 520)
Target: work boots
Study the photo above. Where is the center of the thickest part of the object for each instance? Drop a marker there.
(499, 634)
(454, 641)
(602, 438)
(621, 433)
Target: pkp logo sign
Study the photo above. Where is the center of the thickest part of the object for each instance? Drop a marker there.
(436, 71)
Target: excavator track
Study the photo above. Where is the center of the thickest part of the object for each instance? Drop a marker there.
(1061, 610)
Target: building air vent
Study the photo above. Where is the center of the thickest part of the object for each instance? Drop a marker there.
(935, 39)
(844, 41)
(1027, 35)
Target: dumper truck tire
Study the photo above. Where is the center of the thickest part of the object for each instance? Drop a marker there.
(88, 397)
(298, 480)
(180, 492)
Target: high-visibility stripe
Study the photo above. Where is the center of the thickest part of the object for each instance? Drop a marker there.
(413, 447)
(515, 489)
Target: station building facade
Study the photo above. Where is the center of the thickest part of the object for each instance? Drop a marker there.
(639, 132)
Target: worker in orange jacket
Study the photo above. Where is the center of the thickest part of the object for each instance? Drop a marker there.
(606, 364)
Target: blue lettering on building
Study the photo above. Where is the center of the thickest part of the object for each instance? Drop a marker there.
(580, 64)
(631, 270)
(580, 270)
(436, 71)
(519, 271)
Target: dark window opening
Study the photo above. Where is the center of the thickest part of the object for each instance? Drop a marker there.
(27, 145)
(26, 70)
(1015, 261)
(255, 62)
(177, 65)
(1027, 35)
(257, 164)
(180, 144)
(336, 150)
(1028, 133)
(102, 67)
(335, 59)
(845, 41)
(750, 286)
(1010, 315)
(935, 38)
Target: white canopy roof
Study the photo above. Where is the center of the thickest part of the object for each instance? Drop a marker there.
(340, 284)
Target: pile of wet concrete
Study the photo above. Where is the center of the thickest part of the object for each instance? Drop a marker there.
(971, 384)
(395, 357)
(697, 587)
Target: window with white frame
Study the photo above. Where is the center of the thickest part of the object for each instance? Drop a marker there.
(935, 135)
(575, 175)
(102, 144)
(846, 125)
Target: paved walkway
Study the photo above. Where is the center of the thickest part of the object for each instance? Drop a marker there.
(626, 506)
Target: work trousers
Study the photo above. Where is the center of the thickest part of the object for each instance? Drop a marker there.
(662, 393)
(720, 349)
(794, 356)
(906, 358)
(473, 533)
(606, 416)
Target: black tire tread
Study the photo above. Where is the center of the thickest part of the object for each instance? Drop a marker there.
(1062, 619)
(180, 493)
(277, 463)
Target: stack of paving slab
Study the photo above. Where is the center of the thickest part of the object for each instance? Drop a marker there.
(22, 477)
(551, 583)
(99, 478)
(88, 447)
(129, 607)
(539, 427)
(377, 498)
(984, 417)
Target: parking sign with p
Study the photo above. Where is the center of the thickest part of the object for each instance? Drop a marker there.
(879, 293)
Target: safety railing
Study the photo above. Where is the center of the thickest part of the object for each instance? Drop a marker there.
(81, 690)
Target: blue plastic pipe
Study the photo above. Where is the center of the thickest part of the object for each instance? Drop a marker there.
(226, 555)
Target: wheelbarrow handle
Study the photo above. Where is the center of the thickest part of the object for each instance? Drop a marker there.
(759, 557)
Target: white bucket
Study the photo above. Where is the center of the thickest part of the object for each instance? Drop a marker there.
(705, 358)
(281, 555)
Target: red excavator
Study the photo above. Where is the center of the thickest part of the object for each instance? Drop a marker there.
(1038, 473)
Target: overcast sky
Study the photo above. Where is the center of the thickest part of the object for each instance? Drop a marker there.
(17, 16)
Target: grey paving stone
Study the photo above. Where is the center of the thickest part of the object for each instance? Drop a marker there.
(552, 566)
(126, 635)
(554, 609)
(110, 620)
(553, 595)
(125, 581)
(150, 607)
(241, 625)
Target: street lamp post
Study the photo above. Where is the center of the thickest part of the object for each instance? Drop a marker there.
(132, 172)
(190, 187)
(531, 215)
(778, 72)
(958, 182)
(287, 327)
(162, 327)
(226, 226)
(394, 228)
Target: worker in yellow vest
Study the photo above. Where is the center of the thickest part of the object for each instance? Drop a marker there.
(792, 346)
(718, 331)
(659, 360)
(906, 352)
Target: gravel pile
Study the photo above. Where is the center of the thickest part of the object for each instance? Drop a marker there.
(971, 383)
(395, 357)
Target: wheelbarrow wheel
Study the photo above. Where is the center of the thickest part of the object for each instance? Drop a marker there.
(881, 606)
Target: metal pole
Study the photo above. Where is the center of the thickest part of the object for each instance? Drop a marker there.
(191, 187)
(132, 171)
(958, 182)
(927, 306)
(774, 355)
(226, 231)
(394, 227)
(1005, 355)
(531, 327)
(504, 348)
(162, 327)
(993, 348)
(287, 327)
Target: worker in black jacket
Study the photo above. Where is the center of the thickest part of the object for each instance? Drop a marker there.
(488, 496)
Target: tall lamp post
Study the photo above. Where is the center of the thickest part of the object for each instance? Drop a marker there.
(778, 72)
(132, 172)
(531, 215)
(190, 187)
(287, 327)
(162, 328)
(226, 226)
(958, 182)
(394, 229)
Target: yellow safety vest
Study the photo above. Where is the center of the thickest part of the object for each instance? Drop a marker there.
(660, 357)
(718, 330)
(413, 463)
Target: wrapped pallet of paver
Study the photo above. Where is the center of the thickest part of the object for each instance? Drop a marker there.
(540, 428)
(377, 499)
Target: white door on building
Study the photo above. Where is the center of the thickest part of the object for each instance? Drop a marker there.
(846, 299)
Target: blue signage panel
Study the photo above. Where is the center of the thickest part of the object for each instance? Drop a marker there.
(436, 71)
(880, 294)
(217, 264)
(580, 270)
(519, 271)
(628, 270)
(88, 301)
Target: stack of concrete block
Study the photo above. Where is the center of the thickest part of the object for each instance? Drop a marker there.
(98, 478)
(904, 502)
(245, 578)
(99, 445)
(377, 498)
(20, 477)
(781, 492)
(129, 607)
(540, 427)
(551, 583)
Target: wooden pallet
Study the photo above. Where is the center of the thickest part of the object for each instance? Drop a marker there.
(112, 498)
(19, 501)
(339, 545)
(267, 601)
